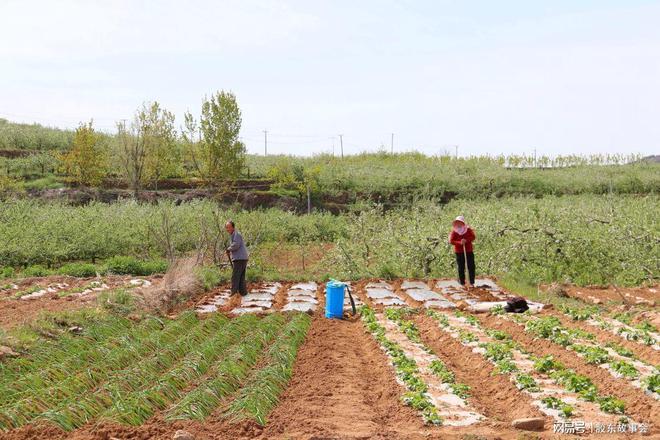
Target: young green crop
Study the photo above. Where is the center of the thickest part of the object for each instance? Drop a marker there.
(440, 369)
(580, 314)
(497, 351)
(556, 403)
(467, 337)
(461, 390)
(498, 334)
(74, 405)
(440, 317)
(505, 366)
(136, 404)
(593, 355)
(261, 391)
(620, 349)
(406, 369)
(625, 369)
(547, 364)
(652, 383)
(611, 405)
(527, 382)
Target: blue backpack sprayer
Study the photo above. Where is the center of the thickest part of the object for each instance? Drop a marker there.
(334, 299)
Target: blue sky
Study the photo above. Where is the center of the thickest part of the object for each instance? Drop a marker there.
(493, 77)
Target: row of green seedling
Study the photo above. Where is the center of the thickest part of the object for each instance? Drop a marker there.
(501, 353)
(621, 324)
(398, 315)
(75, 411)
(123, 352)
(68, 347)
(262, 390)
(227, 375)
(156, 347)
(549, 327)
(140, 403)
(72, 354)
(406, 370)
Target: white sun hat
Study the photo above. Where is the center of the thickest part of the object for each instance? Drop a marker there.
(460, 218)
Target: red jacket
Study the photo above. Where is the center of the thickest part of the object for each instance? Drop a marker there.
(455, 239)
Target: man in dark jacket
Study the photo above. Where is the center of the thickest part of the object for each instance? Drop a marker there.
(239, 257)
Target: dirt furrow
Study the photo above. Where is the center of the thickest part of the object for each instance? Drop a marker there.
(492, 394)
(639, 406)
(342, 387)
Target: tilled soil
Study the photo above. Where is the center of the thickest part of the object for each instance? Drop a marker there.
(15, 312)
(494, 395)
(639, 406)
(342, 387)
(649, 296)
(643, 352)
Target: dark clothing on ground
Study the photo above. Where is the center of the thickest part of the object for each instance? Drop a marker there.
(460, 262)
(238, 284)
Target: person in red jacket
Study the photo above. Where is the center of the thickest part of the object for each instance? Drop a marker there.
(462, 236)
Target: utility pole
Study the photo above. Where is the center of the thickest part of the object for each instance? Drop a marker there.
(534, 157)
(265, 142)
(341, 142)
(456, 147)
(392, 143)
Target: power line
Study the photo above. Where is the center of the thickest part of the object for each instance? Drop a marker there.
(341, 141)
(265, 142)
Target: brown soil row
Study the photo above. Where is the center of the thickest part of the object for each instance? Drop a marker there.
(493, 395)
(649, 296)
(640, 407)
(643, 352)
(342, 387)
(16, 312)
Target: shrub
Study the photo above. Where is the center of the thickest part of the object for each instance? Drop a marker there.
(209, 276)
(80, 270)
(6, 272)
(123, 265)
(36, 270)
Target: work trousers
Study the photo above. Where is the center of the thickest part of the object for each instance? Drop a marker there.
(460, 262)
(238, 284)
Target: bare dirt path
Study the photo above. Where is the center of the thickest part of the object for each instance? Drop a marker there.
(342, 387)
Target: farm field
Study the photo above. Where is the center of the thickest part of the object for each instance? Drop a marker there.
(420, 360)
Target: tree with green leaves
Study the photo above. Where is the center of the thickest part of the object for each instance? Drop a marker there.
(219, 155)
(163, 156)
(85, 162)
(290, 176)
(147, 151)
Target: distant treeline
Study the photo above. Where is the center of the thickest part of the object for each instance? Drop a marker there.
(149, 149)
